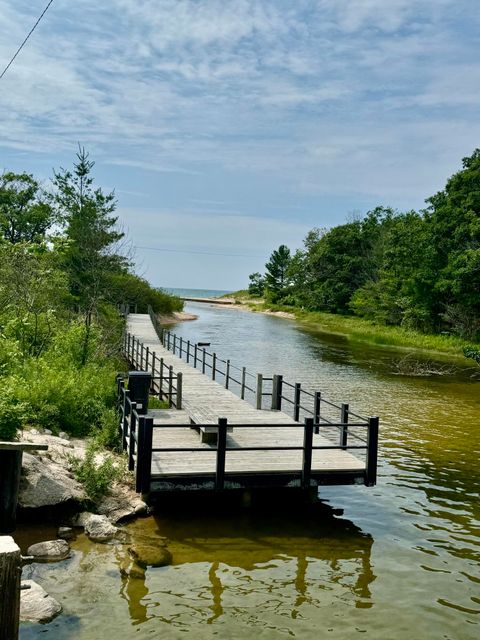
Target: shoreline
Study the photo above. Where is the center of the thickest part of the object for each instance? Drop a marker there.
(176, 316)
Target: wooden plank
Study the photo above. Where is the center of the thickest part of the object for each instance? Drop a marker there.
(10, 573)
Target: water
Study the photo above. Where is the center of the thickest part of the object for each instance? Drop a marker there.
(396, 562)
(196, 293)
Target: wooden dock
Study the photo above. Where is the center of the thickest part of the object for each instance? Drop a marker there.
(211, 438)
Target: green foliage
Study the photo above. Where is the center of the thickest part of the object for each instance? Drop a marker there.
(13, 414)
(128, 288)
(97, 471)
(25, 215)
(473, 353)
(155, 403)
(256, 285)
(276, 271)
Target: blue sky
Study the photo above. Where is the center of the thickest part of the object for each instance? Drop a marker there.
(228, 127)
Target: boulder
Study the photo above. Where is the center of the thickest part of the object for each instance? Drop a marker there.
(36, 605)
(97, 527)
(45, 483)
(66, 533)
(49, 551)
(121, 504)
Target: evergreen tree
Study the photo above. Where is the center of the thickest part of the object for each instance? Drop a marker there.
(277, 266)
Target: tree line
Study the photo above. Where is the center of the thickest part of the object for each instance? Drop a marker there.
(415, 269)
(65, 266)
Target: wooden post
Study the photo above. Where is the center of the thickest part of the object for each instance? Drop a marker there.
(203, 360)
(317, 400)
(188, 351)
(174, 342)
(214, 365)
(10, 574)
(168, 341)
(307, 452)
(131, 437)
(259, 390)
(221, 453)
(344, 427)
(142, 356)
(195, 354)
(242, 389)
(227, 373)
(126, 413)
(11, 469)
(147, 358)
(277, 393)
(129, 355)
(170, 385)
(179, 390)
(372, 452)
(161, 379)
(181, 346)
(143, 469)
(296, 401)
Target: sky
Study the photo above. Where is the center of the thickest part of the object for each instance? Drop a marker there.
(229, 127)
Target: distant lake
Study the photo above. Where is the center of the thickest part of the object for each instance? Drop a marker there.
(195, 293)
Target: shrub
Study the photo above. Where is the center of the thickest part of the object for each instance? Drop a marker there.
(13, 415)
(96, 476)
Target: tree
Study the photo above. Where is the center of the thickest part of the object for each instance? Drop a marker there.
(256, 285)
(277, 266)
(25, 214)
(90, 253)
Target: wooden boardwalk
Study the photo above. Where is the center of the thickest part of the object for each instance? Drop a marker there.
(259, 448)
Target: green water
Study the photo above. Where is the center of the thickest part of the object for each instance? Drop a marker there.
(397, 561)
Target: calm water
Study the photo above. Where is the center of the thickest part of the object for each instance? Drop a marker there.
(398, 561)
(196, 293)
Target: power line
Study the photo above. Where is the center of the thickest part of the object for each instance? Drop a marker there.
(203, 253)
(25, 41)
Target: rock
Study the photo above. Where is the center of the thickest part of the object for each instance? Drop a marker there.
(46, 483)
(97, 527)
(130, 569)
(150, 554)
(36, 605)
(121, 504)
(49, 551)
(63, 435)
(66, 533)
(47, 432)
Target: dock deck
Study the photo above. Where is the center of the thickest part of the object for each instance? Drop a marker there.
(251, 447)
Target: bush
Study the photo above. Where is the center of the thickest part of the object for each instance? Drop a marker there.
(96, 476)
(107, 435)
(13, 415)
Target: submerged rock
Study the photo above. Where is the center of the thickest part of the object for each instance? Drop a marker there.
(36, 605)
(149, 554)
(66, 533)
(97, 527)
(123, 503)
(49, 551)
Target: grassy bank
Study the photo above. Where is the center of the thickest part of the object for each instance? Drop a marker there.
(362, 330)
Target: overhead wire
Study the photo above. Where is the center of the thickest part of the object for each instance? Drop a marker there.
(204, 253)
(25, 41)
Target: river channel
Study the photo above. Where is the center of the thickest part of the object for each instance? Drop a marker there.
(399, 561)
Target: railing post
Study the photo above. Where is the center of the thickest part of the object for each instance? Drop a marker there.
(195, 354)
(227, 373)
(307, 452)
(170, 385)
(154, 357)
(317, 400)
(129, 339)
(161, 379)
(372, 452)
(296, 401)
(168, 341)
(126, 414)
(10, 576)
(174, 342)
(203, 360)
(221, 453)
(147, 356)
(259, 390)
(131, 437)
(188, 351)
(277, 392)
(242, 389)
(179, 390)
(142, 356)
(344, 427)
(214, 365)
(143, 469)
(181, 346)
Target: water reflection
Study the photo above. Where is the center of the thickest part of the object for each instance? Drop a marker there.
(282, 561)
